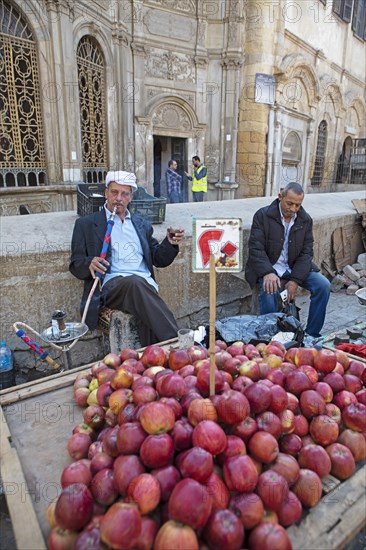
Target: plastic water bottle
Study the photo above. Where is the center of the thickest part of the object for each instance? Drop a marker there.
(6, 367)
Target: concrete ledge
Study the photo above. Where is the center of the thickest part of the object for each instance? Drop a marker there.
(35, 279)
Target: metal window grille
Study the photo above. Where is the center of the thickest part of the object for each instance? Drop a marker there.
(320, 154)
(22, 154)
(91, 76)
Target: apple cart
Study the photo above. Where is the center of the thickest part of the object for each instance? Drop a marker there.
(37, 419)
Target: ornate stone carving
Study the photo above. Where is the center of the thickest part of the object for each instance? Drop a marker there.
(153, 92)
(201, 34)
(233, 62)
(162, 23)
(169, 65)
(212, 156)
(171, 116)
(187, 6)
(201, 60)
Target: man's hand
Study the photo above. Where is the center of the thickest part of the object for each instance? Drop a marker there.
(174, 236)
(291, 287)
(98, 265)
(186, 173)
(271, 283)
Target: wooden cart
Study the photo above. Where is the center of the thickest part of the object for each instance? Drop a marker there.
(37, 419)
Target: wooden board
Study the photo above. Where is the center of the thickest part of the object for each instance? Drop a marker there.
(36, 422)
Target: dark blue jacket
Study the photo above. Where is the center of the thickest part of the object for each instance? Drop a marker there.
(87, 242)
(266, 241)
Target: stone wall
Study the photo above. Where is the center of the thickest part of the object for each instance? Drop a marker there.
(35, 279)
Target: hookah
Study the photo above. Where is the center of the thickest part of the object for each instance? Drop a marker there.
(60, 335)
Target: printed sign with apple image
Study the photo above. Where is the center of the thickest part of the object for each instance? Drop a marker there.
(217, 246)
(221, 237)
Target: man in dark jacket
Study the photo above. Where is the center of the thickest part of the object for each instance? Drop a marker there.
(281, 250)
(128, 275)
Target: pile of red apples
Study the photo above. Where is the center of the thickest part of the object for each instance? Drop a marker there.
(159, 464)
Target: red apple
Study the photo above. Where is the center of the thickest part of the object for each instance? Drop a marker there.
(290, 444)
(126, 414)
(122, 379)
(248, 507)
(290, 511)
(210, 436)
(195, 463)
(201, 409)
(293, 402)
(352, 383)
(173, 534)
(178, 358)
(224, 530)
(342, 358)
(287, 466)
(240, 473)
(343, 463)
(276, 376)
(76, 472)
(168, 477)
(145, 491)
(125, 469)
(120, 398)
(259, 397)
(74, 507)
(157, 418)
(310, 372)
(232, 365)
(333, 412)
(130, 437)
(279, 399)
(81, 395)
(245, 429)
(144, 394)
(308, 488)
(153, 356)
(263, 447)
(78, 445)
(128, 353)
(356, 443)
(315, 457)
(335, 381)
(241, 382)
(267, 536)
(325, 360)
(301, 425)
(311, 403)
(102, 487)
(361, 396)
(94, 416)
(61, 539)
(203, 381)
(235, 446)
(344, 398)
(324, 390)
(232, 407)
(100, 461)
(250, 369)
(149, 528)
(181, 508)
(269, 422)
(297, 381)
(218, 492)
(324, 430)
(157, 450)
(112, 360)
(120, 527)
(356, 368)
(354, 416)
(287, 419)
(273, 489)
(196, 353)
(305, 356)
(188, 370)
(181, 435)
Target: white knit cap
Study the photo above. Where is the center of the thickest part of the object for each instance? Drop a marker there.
(123, 178)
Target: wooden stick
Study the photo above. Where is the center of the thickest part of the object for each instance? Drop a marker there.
(212, 323)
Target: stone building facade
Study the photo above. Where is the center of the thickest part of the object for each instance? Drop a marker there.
(92, 85)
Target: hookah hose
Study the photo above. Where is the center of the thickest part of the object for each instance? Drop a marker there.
(103, 254)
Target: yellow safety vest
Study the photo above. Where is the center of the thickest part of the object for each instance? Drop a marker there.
(199, 185)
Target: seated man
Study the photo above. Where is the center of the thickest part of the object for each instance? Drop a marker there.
(128, 283)
(281, 248)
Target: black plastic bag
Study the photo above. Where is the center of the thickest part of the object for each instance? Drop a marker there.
(291, 309)
(258, 328)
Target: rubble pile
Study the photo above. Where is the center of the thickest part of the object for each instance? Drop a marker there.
(352, 277)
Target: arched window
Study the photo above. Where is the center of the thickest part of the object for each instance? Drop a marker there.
(321, 147)
(22, 155)
(91, 75)
(291, 150)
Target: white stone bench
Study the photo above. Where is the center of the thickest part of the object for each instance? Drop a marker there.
(119, 330)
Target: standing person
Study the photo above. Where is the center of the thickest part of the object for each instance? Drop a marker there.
(173, 182)
(281, 250)
(129, 284)
(198, 179)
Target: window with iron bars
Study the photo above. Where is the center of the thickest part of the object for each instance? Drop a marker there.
(22, 152)
(321, 147)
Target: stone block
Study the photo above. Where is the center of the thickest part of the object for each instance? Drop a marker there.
(351, 273)
(123, 332)
(357, 266)
(351, 290)
(362, 282)
(337, 283)
(361, 259)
